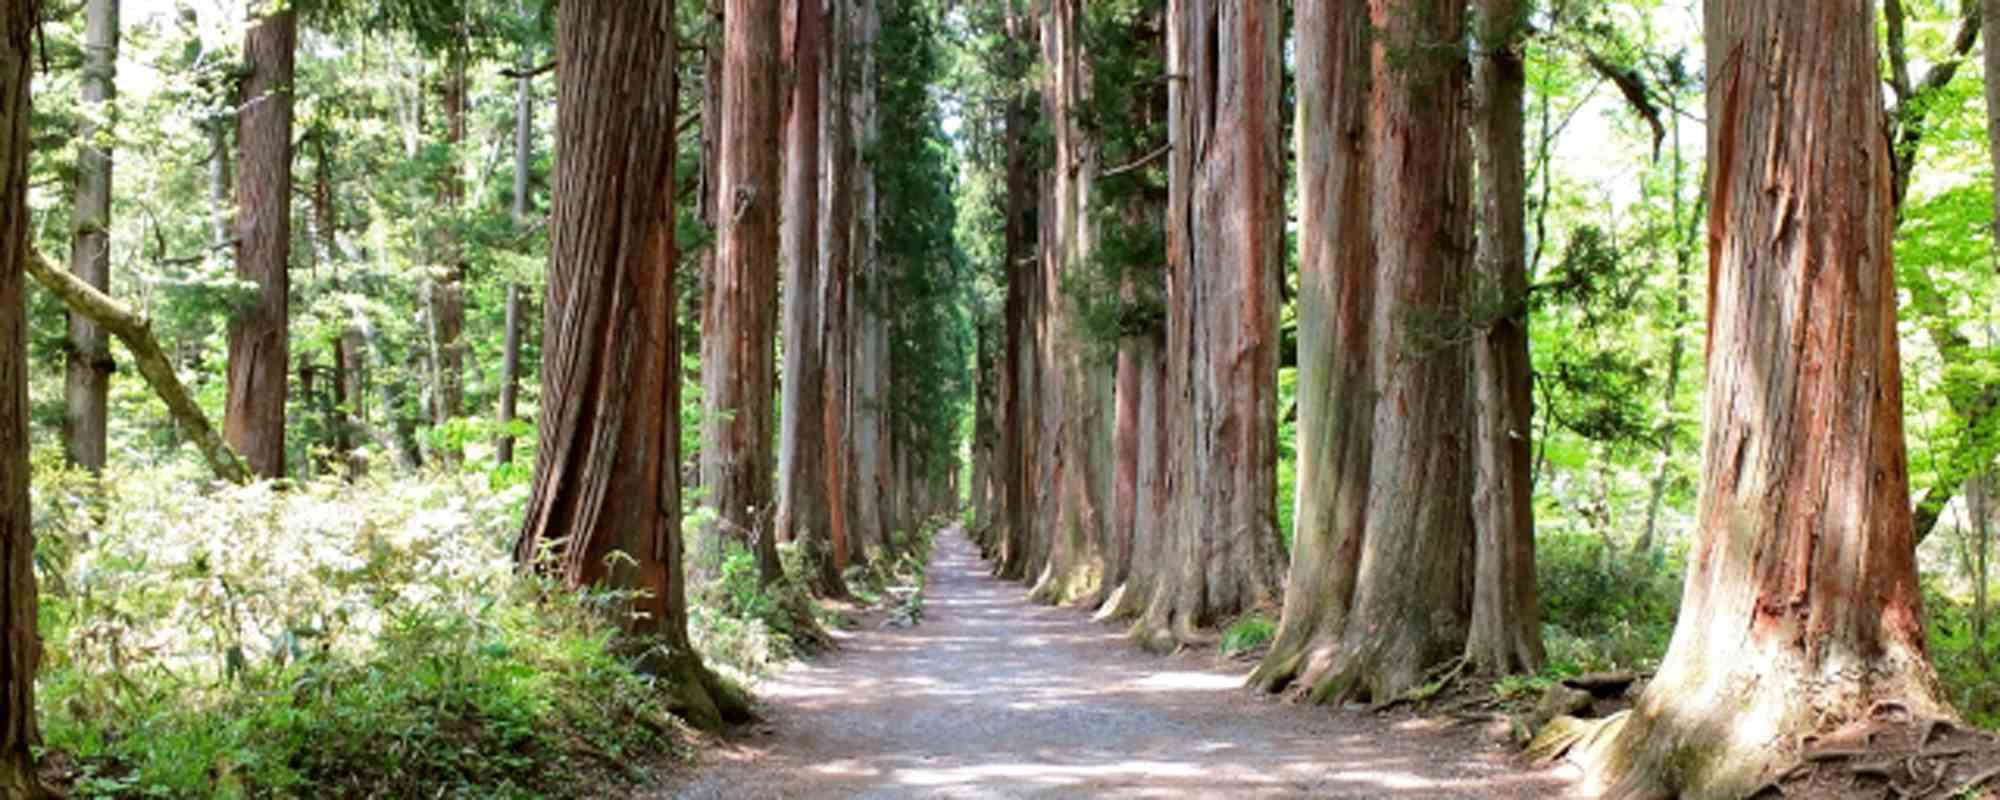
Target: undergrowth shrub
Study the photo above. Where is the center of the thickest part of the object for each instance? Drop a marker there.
(330, 640)
(1604, 610)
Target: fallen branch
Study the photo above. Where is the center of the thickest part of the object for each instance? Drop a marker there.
(137, 334)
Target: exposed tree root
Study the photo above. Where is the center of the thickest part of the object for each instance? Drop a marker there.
(695, 693)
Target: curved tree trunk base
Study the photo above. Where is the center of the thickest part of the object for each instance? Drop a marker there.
(1122, 602)
(707, 701)
(1381, 666)
(1299, 661)
(1705, 741)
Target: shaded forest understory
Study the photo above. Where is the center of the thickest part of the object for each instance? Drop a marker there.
(497, 397)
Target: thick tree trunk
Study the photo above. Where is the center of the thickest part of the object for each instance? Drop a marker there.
(804, 508)
(1413, 590)
(1335, 312)
(259, 335)
(1506, 632)
(110, 315)
(836, 240)
(985, 435)
(1076, 412)
(1802, 606)
(739, 319)
(1225, 250)
(21, 645)
(447, 287)
(90, 365)
(605, 475)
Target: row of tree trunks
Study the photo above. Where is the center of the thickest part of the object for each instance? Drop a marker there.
(606, 475)
(20, 641)
(90, 366)
(260, 335)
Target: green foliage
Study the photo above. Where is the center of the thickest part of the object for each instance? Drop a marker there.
(1248, 633)
(366, 640)
(1601, 610)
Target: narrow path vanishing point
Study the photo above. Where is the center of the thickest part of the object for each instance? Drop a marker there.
(994, 696)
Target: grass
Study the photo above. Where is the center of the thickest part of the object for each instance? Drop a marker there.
(1247, 633)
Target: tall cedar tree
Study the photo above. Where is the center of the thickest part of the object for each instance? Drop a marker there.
(868, 303)
(1335, 312)
(259, 334)
(1018, 376)
(1506, 625)
(1412, 592)
(804, 510)
(836, 238)
(1802, 605)
(447, 280)
(739, 320)
(1077, 411)
(1225, 249)
(606, 476)
(21, 644)
(89, 369)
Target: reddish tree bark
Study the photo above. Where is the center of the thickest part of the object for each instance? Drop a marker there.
(1412, 596)
(21, 644)
(1018, 392)
(1802, 608)
(739, 320)
(605, 474)
(836, 246)
(259, 335)
(90, 366)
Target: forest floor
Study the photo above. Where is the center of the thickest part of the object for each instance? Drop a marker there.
(994, 696)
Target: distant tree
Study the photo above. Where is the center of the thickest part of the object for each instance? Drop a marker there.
(607, 493)
(89, 375)
(260, 334)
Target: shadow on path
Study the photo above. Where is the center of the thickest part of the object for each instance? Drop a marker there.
(993, 696)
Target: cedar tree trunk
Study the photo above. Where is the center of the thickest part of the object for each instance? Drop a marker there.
(259, 336)
(1506, 633)
(21, 645)
(739, 319)
(1802, 607)
(90, 365)
(1335, 311)
(1412, 595)
(605, 475)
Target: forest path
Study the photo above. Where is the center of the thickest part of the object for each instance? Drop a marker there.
(994, 696)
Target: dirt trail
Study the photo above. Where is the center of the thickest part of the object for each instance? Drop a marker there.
(993, 696)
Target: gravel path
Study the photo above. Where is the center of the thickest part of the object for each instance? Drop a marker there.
(992, 696)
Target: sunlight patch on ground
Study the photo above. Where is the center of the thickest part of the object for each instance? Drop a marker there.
(1045, 773)
(1185, 682)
